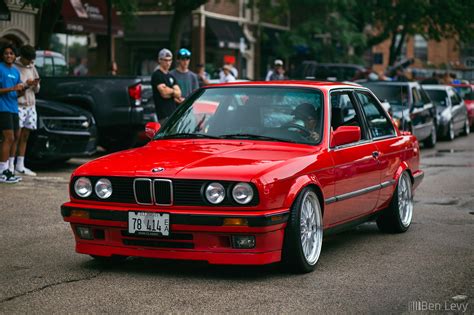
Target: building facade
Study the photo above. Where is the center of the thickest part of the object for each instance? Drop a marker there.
(17, 24)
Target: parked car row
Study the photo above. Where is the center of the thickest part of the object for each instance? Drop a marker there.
(428, 111)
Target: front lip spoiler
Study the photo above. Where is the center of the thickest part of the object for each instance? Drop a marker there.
(183, 219)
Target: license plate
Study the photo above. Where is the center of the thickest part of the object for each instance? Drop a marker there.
(148, 223)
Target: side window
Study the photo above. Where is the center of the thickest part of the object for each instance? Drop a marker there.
(455, 99)
(379, 124)
(344, 113)
(60, 68)
(416, 96)
(48, 67)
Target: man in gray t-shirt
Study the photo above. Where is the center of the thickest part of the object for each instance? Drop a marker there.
(186, 79)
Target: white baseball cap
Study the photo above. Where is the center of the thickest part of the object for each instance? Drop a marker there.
(165, 53)
(278, 62)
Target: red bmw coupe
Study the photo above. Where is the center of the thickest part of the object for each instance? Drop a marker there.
(249, 173)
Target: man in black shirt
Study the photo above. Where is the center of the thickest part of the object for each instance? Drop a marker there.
(166, 92)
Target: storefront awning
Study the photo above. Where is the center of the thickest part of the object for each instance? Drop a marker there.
(88, 16)
(225, 34)
(5, 14)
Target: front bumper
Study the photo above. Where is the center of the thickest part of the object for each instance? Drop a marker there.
(192, 236)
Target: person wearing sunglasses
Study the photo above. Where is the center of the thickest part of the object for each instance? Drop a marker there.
(166, 91)
(187, 80)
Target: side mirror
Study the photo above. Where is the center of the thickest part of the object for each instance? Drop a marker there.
(151, 129)
(344, 135)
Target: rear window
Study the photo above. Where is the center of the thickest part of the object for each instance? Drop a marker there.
(438, 97)
(396, 95)
(51, 66)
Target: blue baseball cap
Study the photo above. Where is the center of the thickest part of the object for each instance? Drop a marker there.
(183, 52)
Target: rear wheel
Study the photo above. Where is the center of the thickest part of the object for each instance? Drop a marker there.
(304, 233)
(430, 142)
(397, 217)
(467, 128)
(450, 134)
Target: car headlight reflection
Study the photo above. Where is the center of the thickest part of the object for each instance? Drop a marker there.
(103, 188)
(242, 193)
(83, 187)
(215, 193)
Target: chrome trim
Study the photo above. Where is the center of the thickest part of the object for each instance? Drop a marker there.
(359, 192)
(387, 183)
(86, 132)
(135, 191)
(171, 192)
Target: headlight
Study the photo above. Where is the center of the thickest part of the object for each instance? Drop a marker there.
(215, 193)
(103, 188)
(242, 193)
(83, 187)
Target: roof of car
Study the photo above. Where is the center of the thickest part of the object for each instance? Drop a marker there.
(316, 84)
(435, 86)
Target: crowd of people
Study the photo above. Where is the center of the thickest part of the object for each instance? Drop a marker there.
(19, 82)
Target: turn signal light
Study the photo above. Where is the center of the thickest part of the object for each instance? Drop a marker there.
(235, 222)
(80, 214)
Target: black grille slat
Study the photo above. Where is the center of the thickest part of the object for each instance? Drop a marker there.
(143, 191)
(163, 192)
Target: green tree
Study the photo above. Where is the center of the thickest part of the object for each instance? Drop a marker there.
(396, 20)
(49, 12)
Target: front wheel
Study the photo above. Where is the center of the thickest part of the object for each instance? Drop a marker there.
(304, 233)
(397, 217)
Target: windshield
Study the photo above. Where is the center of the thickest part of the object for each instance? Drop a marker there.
(438, 97)
(258, 113)
(396, 95)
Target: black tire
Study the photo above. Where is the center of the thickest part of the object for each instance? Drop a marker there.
(109, 260)
(430, 142)
(391, 220)
(293, 254)
(451, 133)
(467, 128)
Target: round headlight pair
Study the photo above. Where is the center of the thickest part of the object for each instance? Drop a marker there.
(83, 188)
(242, 193)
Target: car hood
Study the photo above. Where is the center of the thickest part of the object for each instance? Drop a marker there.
(51, 108)
(199, 159)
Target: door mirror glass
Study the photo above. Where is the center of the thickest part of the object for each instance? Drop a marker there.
(345, 135)
(151, 128)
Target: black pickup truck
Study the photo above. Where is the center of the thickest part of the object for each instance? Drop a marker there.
(118, 103)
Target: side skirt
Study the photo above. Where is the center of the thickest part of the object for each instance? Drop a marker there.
(351, 224)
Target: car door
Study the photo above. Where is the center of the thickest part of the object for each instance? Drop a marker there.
(356, 167)
(420, 115)
(457, 109)
(388, 145)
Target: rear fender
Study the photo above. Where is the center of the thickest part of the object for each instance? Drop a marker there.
(403, 167)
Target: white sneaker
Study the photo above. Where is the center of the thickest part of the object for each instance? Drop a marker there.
(25, 171)
(7, 177)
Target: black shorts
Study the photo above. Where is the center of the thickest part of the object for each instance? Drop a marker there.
(9, 121)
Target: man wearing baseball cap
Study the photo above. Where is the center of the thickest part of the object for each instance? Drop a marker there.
(166, 92)
(186, 79)
(278, 72)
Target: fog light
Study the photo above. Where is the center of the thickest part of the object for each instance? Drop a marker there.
(85, 233)
(243, 241)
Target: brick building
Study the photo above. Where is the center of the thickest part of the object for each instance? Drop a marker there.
(217, 30)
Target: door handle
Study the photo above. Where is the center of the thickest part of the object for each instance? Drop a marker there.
(375, 154)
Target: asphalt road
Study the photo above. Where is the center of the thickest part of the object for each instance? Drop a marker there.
(360, 271)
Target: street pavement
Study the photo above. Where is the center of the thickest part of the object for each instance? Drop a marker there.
(360, 271)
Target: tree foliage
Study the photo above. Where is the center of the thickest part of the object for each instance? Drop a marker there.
(396, 20)
(49, 12)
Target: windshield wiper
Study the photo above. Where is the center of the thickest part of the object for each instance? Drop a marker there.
(252, 136)
(189, 135)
